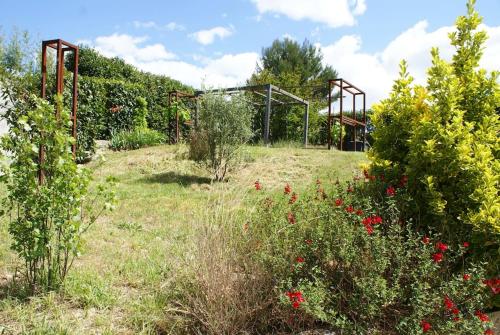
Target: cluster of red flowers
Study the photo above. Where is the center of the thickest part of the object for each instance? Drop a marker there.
(482, 316)
(438, 256)
(258, 186)
(368, 222)
(451, 307)
(368, 176)
(493, 284)
(391, 191)
(291, 218)
(426, 326)
(293, 198)
(288, 189)
(296, 298)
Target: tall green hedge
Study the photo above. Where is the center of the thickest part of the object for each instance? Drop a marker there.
(108, 98)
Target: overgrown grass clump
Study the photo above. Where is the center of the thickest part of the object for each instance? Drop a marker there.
(136, 139)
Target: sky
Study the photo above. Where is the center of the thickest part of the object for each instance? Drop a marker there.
(218, 43)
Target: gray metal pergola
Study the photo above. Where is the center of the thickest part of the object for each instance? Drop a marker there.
(272, 94)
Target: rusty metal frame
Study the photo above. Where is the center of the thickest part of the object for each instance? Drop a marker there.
(175, 96)
(346, 86)
(61, 47)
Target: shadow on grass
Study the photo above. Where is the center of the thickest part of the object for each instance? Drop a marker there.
(175, 178)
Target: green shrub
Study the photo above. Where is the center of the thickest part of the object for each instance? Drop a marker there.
(225, 125)
(140, 114)
(135, 139)
(46, 200)
(444, 137)
(348, 260)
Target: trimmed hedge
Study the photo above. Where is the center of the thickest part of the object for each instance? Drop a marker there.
(108, 98)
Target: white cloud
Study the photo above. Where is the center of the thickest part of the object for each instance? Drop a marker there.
(171, 26)
(129, 48)
(334, 13)
(375, 72)
(290, 37)
(226, 70)
(208, 36)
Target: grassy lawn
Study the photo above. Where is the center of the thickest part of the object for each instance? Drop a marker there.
(131, 254)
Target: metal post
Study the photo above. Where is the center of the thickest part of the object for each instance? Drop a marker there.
(341, 109)
(306, 125)
(75, 98)
(267, 116)
(329, 135)
(364, 121)
(354, 117)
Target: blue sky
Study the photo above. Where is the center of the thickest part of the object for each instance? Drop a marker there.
(218, 42)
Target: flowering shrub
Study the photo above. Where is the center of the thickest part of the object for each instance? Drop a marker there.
(350, 260)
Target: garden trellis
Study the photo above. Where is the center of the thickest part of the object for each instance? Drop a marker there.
(61, 47)
(346, 86)
(271, 94)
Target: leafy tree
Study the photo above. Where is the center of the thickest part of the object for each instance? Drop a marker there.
(444, 137)
(225, 125)
(298, 69)
(46, 199)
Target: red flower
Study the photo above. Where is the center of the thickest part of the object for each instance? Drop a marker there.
(483, 317)
(339, 202)
(441, 247)
(293, 198)
(376, 219)
(426, 326)
(466, 276)
(493, 284)
(288, 189)
(466, 244)
(448, 303)
(456, 319)
(258, 187)
(367, 221)
(425, 240)
(359, 212)
(349, 209)
(309, 242)
(455, 311)
(391, 191)
(291, 218)
(437, 257)
(369, 229)
(300, 259)
(489, 332)
(295, 298)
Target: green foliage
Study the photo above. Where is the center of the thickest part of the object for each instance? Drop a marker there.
(17, 52)
(225, 125)
(444, 137)
(140, 114)
(135, 139)
(49, 216)
(349, 260)
(299, 70)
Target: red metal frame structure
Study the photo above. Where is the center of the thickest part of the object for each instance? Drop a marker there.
(61, 47)
(176, 95)
(346, 86)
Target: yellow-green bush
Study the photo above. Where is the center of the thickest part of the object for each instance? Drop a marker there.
(444, 137)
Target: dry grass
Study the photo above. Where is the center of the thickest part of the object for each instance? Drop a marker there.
(165, 220)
